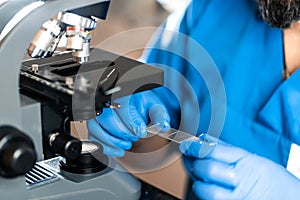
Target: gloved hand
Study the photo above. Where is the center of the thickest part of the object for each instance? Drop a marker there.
(228, 172)
(116, 129)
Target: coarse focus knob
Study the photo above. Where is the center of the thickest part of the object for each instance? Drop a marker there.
(17, 154)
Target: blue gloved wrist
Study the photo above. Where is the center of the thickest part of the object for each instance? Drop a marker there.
(112, 146)
(109, 150)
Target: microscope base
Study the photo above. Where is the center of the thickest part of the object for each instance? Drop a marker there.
(111, 183)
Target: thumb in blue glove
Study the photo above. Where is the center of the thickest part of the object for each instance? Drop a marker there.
(229, 172)
(117, 129)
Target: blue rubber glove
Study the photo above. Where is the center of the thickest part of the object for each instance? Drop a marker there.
(228, 172)
(116, 129)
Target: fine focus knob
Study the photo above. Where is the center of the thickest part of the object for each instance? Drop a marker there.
(91, 160)
(17, 154)
(65, 145)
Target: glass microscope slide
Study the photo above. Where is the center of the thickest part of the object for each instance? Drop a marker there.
(173, 135)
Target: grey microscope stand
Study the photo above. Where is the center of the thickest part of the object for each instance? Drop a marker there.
(110, 183)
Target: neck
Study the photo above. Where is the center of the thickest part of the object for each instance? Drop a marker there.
(292, 47)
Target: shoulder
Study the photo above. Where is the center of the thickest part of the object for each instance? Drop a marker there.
(218, 12)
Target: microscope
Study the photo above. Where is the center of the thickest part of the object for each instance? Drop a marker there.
(42, 93)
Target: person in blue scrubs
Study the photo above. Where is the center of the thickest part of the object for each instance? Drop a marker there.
(254, 46)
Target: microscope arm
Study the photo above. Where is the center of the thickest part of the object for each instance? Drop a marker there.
(13, 45)
(9, 9)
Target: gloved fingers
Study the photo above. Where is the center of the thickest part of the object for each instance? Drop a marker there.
(112, 124)
(198, 148)
(222, 152)
(131, 118)
(159, 115)
(152, 109)
(108, 150)
(102, 136)
(212, 171)
(227, 153)
(211, 191)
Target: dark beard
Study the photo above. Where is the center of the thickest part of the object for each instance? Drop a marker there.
(280, 13)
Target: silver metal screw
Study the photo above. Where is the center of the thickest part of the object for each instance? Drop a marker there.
(35, 68)
(69, 81)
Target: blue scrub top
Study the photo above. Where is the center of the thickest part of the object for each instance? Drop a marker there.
(262, 110)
